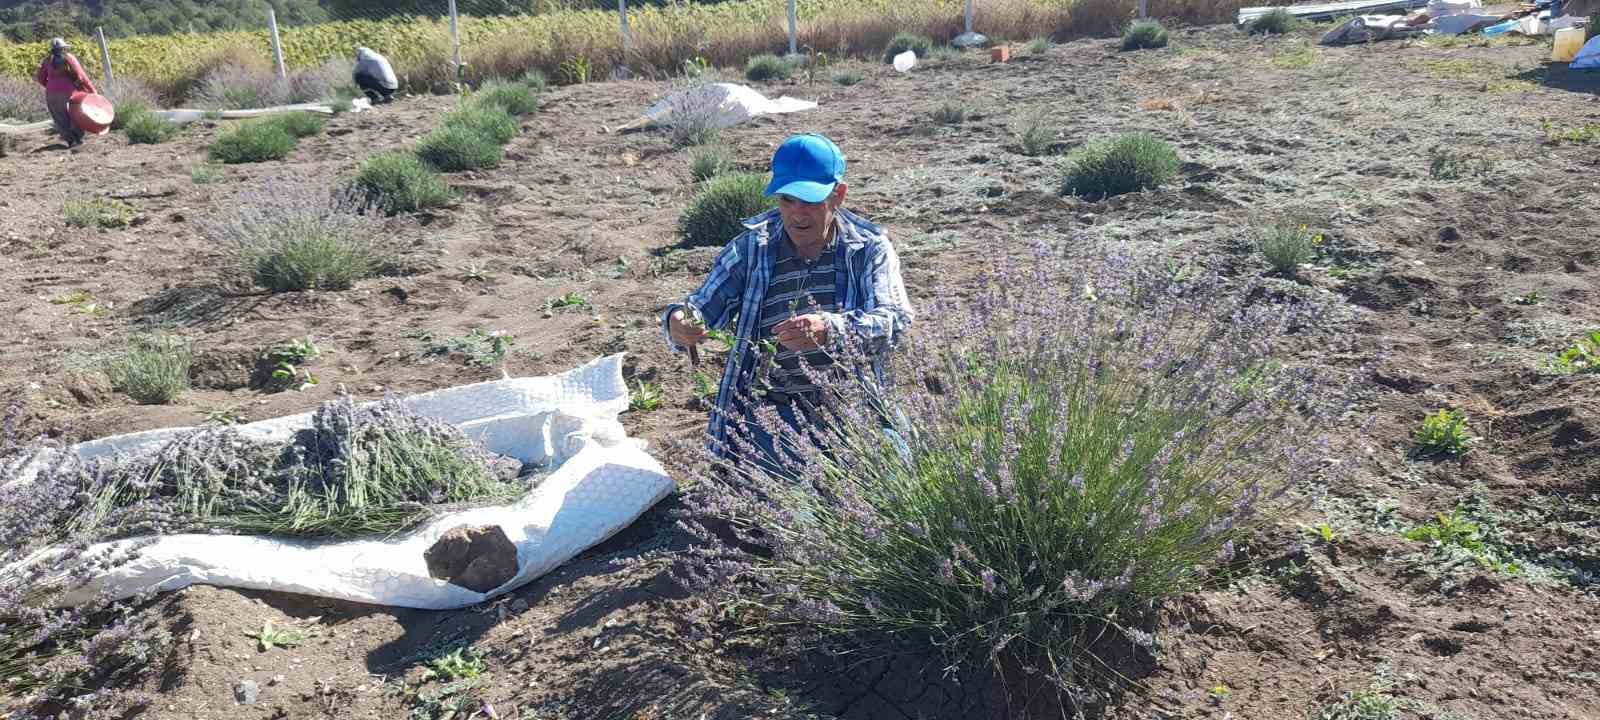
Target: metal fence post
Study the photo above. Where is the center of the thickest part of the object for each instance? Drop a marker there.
(455, 40)
(794, 30)
(277, 45)
(969, 14)
(105, 56)
(622, 26)
(1144, 9)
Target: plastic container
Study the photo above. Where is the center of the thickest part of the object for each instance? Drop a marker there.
(1568, 42)
(1500, 28)
(91, 113)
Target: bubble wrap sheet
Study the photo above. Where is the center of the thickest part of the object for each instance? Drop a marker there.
(603, 482)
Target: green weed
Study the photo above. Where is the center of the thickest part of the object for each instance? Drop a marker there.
(1442, 433)
(104, 213)
(1582, 357)
(646, 397)
(458, 664)
(269, 637)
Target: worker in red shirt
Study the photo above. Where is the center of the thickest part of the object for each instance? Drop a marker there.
(61, 76)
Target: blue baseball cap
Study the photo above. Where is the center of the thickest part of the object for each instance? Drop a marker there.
(806, 167)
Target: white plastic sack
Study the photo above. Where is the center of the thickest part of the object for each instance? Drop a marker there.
(1459, 23)
(728, 104)
(905, 61)
(603, 482)
(1441, 8)
(1589, 57)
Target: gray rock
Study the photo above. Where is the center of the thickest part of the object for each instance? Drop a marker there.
(478, 558)
(245, 692)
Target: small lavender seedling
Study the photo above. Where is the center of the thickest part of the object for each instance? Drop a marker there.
(1442, 433)
(708, 162)
(102, 213)
(1035, 133)
(151, 369)
(571, 299)
(647, 396)
(1286, 248)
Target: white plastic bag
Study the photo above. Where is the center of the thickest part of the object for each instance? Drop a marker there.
(905, 61)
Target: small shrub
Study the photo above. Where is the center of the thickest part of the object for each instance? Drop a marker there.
(234, 87)
(152, 370)
(1144, 34)
(514, 98)
(693, 126)
(148, 129)
(129, 111)
(1582, 357)
(344, 99)
(298, 237)
(1035, 133)
(647, 397)
(944, 53)
(254, 141)
(848, 78)
(400, 182)
(489, 120)
(98, 213)
(1039, 45)
(762, 68)
(1286, 248)
(920, 44)
(1275, 22)
(298, 124)
(949, 113)
(323, 82)
(717, 212)
(205, 174)
(1360, 705)
(1442, 433)
(456, 148)
(709, 161)
(22, 100)
(1126, 163)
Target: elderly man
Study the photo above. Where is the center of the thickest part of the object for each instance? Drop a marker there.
(808, 280)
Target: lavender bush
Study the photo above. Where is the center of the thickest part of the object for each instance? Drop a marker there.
(235, 87)
(299, 236)
(1078, 444)
(324, 82)
(22, 100)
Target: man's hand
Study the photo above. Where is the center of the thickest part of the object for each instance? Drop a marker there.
(802, 332)
(683, 332)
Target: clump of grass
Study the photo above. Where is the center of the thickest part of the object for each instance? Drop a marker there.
(1039, 45)
(104, 213)
(251, 142)
(949, 112)
(762, 68)
(716, 213)
(299, 237)
(1101, 425)
(148, 129)
(454, 148)
(400, 182)
(1035, 133)
(1442, 433)
(944, 52)
(129, 109)
(848, 78)
(709, 161)
(1455, 535)
(514, 98)
(1582, 357)
(1275, 22)
(152, 369)
(1143, 35)
(535, 80)
(1124, 164)
(1287, 247)
(920, 44)
(487, 119)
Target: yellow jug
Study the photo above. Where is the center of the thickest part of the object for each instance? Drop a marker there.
(1568, 42)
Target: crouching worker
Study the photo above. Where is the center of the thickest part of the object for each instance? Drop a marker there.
(375, 76)
(807, 290)
(62, 75)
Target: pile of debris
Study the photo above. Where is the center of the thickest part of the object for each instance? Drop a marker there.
(1372, 20)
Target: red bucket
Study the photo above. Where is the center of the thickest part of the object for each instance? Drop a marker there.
(91, 113)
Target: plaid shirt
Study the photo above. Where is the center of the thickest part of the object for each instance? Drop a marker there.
(872, 309)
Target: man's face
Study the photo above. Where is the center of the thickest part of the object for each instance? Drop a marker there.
(808, 223)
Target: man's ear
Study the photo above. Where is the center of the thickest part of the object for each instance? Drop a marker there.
(837, 198)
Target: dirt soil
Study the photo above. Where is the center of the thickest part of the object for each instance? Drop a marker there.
(1461, 289)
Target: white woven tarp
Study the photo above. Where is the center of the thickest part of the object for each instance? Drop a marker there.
(727, 104)
(182, 116)
(601, 483)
